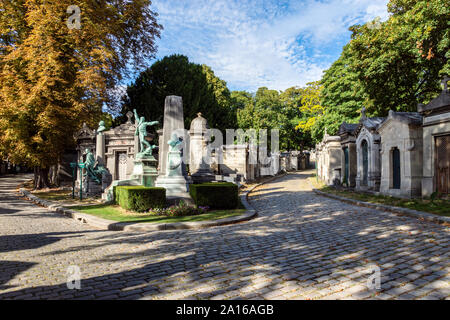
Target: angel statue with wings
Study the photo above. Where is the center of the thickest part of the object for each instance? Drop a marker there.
(141, 131)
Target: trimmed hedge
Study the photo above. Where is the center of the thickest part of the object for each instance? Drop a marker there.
(216, 195)
(139, 198)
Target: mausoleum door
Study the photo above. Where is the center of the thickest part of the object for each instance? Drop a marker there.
(121, 162)
(396, 180)
(365, 160)
(443, 164)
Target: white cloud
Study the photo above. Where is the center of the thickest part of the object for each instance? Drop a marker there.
(270, 43)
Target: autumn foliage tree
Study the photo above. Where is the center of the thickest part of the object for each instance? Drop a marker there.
(54, 77)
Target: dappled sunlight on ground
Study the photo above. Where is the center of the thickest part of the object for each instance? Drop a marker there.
(302, 246)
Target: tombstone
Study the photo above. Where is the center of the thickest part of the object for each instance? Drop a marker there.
(173, 120)
(401, 154)
(172, 169)
(348, 156)
(199, 164)
(368, 174)
(436, 143)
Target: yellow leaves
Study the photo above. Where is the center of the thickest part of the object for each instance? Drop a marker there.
(306, 125)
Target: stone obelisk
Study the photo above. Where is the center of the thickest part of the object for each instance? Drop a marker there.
(176, 184)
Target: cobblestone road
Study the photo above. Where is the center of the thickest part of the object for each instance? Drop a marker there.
(302, 246)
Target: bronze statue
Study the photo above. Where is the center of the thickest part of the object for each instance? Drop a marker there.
(141, 131)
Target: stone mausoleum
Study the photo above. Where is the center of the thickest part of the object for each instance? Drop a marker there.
(368, 174)
(401, 154)
(436, 143)
(348, 155)
(115, 149)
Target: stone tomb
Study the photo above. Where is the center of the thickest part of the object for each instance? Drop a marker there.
(199, 164)
(436, 143)
(173, 147)
(368, 153)
(329, 159)
(115, 149)
(348, 155)
(401, 154)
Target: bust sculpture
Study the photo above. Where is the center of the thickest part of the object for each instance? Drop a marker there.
(101, 127)
(174, 156)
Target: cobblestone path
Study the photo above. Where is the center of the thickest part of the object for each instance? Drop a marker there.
(302, 246)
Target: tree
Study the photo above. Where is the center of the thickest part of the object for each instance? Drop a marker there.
(200, 89)
(53, 78)
(311, 110)
(244, 105)
(341, 98)
(400, 63)
(271, 109)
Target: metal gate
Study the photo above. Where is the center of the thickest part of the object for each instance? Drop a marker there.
(442, 164)
(396, 180)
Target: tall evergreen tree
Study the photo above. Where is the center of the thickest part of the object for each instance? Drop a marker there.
(200, 89)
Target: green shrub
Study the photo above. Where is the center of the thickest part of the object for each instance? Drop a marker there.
(139, 198)
(216, 195)
(181, 209)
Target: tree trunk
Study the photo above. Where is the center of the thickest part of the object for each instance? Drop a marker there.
(41, 178)
(54, 175)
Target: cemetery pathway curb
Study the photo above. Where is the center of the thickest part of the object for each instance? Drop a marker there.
(101, 223)
(397, 210)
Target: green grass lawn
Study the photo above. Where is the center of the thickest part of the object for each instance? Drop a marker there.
(113, 212)
(438, 206)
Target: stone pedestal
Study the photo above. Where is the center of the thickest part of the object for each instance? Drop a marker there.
(145, 171)
(90, 187)
(100, 149)
(199, 163)
(175, 180)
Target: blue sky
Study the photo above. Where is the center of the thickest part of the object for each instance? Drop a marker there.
(255, 43)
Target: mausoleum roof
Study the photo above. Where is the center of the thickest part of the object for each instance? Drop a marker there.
(347, 128)
(409, 117)
(413, 118)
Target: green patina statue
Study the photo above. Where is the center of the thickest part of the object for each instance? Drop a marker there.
(101, 127)
(93, 170)
(141, 131)
(174, 156)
